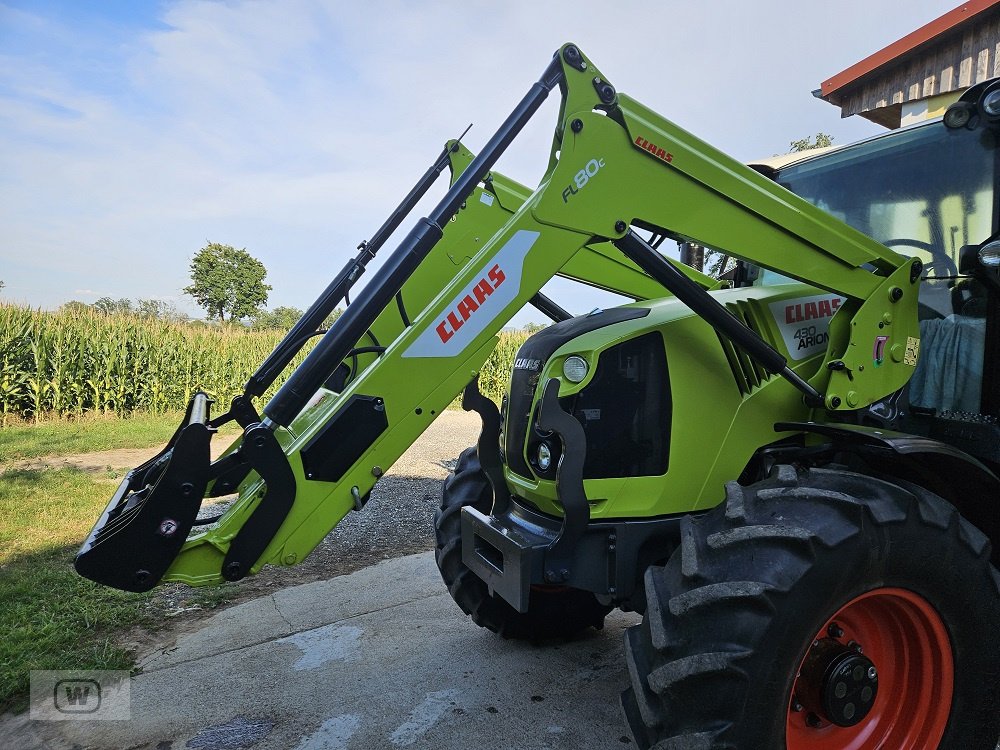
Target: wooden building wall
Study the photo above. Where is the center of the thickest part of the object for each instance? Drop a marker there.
(967, 56)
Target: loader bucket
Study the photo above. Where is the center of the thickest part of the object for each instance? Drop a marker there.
(145, 524)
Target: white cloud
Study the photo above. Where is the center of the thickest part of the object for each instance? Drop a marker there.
(292, 127)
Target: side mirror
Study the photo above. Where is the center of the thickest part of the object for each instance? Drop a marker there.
(973, 259)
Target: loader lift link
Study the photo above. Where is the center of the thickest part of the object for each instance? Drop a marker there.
(634, 460)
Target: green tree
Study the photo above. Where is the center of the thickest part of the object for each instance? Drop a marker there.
(110, 306)
(332, 318)
(75, 306)
(159, 309)
(225, 280)
(1, 285)
(717, 264)
(281, 318)
(822, 140)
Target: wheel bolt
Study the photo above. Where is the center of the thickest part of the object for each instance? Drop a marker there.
(813, 720)
(835, 631)
(872, 673)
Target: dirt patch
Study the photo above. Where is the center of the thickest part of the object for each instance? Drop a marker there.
(118, 461)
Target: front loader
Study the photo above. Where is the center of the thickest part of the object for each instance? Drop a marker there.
(734, 463)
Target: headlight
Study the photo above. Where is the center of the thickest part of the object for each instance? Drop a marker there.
(989, 254)
(575, 369)
(991, 104)
(543, 456)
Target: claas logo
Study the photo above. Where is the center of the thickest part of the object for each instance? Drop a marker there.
(660, 153)
(802, 312)
(471, 302)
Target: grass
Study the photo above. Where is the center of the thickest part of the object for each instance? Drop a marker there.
(85, 435)
(43, 510)
(51, 618)
(54, 619)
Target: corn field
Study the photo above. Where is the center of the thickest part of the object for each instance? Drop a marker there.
(495, 375)
(64, 364)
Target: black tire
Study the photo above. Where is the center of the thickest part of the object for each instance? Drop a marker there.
(731, 616)
(552, 613)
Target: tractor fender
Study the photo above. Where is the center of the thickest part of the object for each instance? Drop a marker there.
(948, 472)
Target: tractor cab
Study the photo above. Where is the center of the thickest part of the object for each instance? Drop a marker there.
(929, 191)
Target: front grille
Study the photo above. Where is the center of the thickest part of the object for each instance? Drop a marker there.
(626, 410)
(528, 365)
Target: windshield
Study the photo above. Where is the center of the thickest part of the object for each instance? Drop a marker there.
(925, 192)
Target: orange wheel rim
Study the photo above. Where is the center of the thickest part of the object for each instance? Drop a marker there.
(904, 637)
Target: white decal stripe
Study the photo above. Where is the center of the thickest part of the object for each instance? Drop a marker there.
(474, 312)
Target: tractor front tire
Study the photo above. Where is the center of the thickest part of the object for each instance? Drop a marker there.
(553, 612)
(820, 609)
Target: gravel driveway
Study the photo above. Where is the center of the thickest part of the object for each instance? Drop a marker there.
(399, 517)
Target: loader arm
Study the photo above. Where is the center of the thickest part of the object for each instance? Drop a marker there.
(316, 453)
(598, 264)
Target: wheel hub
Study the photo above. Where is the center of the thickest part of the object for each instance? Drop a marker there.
(839, 683)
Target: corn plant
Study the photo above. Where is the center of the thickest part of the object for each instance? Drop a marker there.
(67, 363)
(495, 375)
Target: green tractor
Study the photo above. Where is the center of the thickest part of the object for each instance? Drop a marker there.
(792, 474)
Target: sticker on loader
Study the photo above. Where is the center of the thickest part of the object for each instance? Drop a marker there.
(479, 303)
(804, 323)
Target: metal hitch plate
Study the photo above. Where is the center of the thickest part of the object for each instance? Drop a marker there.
(148, 519)
(507, 559)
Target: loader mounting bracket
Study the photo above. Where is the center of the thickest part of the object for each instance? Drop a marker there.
(488, 446)
(511, 563)
(569, 481)
(262, 451)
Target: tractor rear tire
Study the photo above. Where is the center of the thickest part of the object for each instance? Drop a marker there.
(553, 613)
(803, 578)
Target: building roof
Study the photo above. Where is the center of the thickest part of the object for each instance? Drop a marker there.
(949, 54)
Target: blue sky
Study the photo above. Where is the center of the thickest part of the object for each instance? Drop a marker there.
(134, 132)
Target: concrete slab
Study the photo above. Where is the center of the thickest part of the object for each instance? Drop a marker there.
(381, 658)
